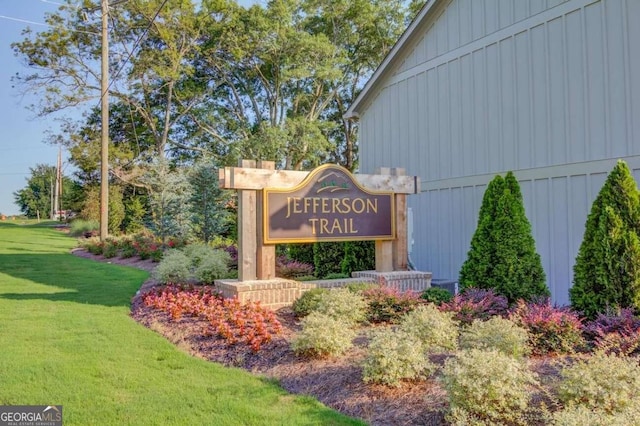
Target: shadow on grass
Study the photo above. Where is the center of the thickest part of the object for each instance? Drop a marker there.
(68, 278)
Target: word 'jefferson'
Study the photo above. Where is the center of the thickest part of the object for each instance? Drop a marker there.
(315, 205)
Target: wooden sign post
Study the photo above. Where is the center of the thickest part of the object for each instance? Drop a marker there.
(254, 181)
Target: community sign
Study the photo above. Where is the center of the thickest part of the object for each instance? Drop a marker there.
(328, 205)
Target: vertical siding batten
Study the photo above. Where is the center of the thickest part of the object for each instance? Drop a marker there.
(553, 96)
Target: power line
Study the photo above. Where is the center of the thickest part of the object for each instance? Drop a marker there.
(133, 49)
(25, 21)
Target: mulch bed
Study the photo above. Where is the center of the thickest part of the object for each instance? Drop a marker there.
(336, 382)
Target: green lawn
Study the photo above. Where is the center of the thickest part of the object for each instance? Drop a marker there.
(66, 338)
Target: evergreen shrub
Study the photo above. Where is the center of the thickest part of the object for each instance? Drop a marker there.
(606, 274)
(300, 252)
(335, 276)
(308, 302)
(496, 333)
(436, 295)
(434, 329)
(602, 383)
(502, 255)
(323, 336)
(488, 386)
(327, 258)
(358, 256)
(393, 356)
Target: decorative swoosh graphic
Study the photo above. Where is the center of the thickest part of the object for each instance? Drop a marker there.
(332, 189)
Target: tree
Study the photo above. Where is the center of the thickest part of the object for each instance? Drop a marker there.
(477, 270)
(518, 271)
(209, 215)
(169, 194)
(503, 256)
(606, 274)
(91, 207)
(363, 32)
(358, 256)
(217, 80)
(35, 199)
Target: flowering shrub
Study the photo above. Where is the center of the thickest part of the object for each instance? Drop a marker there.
(435, 330)
(475, 303)
(93, 245)
(127, 249)
(176, 242)
(393, 356)
(605, 383)
(343, 305)
(323, 335)
(292, 269)
(110, 247)
(496, 333)
(615, 333)
(388, 304)
(249, 324)
(551, 329)
(489, 387)
(147, 246)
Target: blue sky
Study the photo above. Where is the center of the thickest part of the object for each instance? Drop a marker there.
(22, 135)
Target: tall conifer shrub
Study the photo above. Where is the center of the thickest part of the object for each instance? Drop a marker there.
(606, 274)
(503, 256)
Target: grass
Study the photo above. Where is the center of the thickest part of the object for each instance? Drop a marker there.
(67, 338)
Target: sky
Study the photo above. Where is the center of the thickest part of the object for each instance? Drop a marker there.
(22, 135)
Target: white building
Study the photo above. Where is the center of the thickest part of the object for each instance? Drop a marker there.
(547, 88)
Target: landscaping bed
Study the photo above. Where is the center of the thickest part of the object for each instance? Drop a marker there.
(335, 381)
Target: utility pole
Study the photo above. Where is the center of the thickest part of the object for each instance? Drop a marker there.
(58, 187)
(104, 151)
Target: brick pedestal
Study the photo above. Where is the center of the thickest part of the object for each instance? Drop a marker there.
(272, 294)
(401, 280)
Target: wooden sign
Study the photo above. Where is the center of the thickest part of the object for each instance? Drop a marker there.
(328, 205)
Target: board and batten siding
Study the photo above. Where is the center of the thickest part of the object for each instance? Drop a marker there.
(551, 92)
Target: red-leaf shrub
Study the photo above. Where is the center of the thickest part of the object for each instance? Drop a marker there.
(552, 329)
(291, 269)
(388, 304)
(476, 304)
(615, 333)
(250, 323)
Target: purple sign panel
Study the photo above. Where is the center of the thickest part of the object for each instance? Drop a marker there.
(328, 205)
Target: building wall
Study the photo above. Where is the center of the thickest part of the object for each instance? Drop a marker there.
(551, 92)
